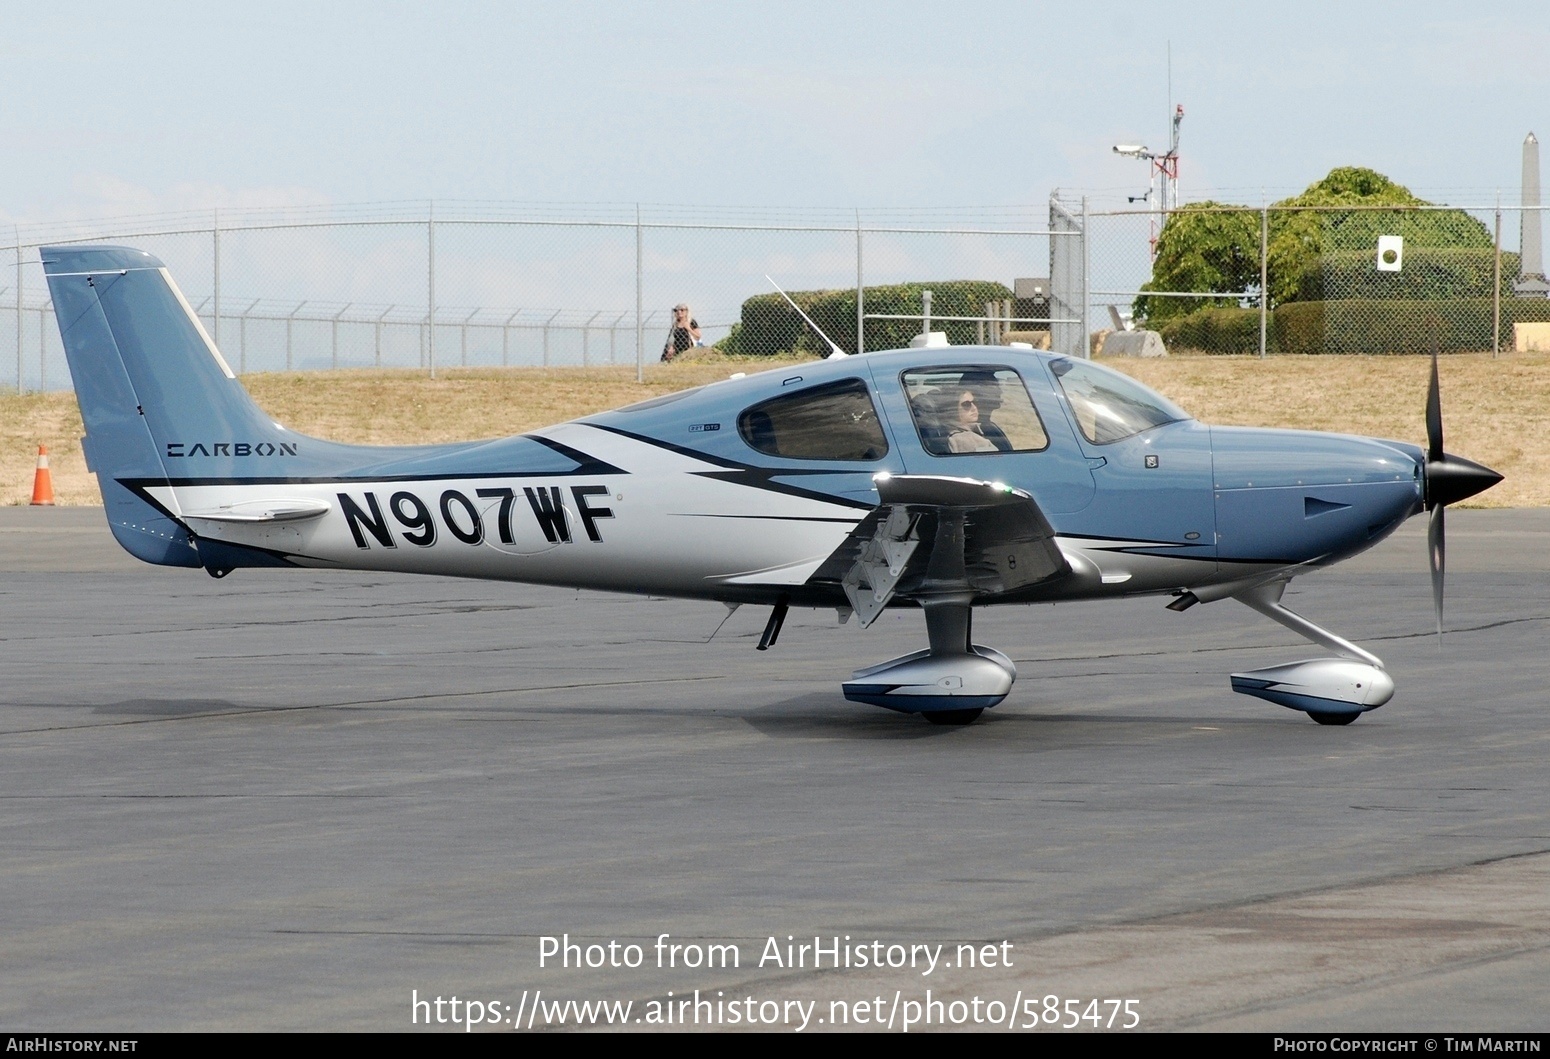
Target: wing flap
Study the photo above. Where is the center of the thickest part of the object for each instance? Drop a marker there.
(936, 537)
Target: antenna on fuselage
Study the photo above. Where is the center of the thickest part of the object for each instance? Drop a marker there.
(838, 352)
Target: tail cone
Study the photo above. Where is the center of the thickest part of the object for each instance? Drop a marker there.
(42, 481)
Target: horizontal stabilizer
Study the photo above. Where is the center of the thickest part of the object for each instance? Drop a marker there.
(264, 511)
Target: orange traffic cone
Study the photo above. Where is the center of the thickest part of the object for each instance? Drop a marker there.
(42, 481)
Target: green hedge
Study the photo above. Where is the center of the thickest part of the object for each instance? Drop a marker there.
(1354, 325)
(768, 326)
(1428, 274)
(1392, 325)
(1214, 331)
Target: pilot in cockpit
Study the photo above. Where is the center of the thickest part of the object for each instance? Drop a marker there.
(986, 391)
(963, 416)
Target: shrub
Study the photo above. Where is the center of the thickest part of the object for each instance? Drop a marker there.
(1214, 331)
(1354, 325)
(1212, 248)
(768, 326)
(1428, 273)
(1393, 325)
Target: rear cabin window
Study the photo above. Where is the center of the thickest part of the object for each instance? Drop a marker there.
(960, 410)
(836, 421)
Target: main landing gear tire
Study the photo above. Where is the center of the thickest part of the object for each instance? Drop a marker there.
(1334, 718)
(953, 717)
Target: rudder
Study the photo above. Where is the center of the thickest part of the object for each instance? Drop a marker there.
(154, 393)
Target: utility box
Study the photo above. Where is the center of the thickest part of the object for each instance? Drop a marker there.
(1030, 301)
(1531, 338)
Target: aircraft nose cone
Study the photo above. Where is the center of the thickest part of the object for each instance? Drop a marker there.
(1454, 478)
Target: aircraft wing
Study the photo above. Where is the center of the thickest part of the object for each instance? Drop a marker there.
(935, 537)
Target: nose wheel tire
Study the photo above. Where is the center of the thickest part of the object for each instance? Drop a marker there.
(1334, 718)
(953, 717)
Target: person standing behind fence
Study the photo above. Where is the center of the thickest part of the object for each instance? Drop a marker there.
(685, 333)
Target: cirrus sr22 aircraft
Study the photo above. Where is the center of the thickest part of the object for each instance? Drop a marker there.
(938, 478)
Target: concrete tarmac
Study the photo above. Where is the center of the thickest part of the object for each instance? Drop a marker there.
(296, 800)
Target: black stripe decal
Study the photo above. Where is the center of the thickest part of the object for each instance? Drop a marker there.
(587, 465)
(767, 518)
(750, 476)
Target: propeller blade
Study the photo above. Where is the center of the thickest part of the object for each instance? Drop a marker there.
(1434, 453)
(1437, 556)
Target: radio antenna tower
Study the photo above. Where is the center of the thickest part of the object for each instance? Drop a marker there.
(1163, 185)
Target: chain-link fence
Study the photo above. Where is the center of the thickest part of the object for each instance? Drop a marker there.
(429, 286)
(432, 285)
(1323, 279)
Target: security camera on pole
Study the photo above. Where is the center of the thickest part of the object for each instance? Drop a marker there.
(1164, 175)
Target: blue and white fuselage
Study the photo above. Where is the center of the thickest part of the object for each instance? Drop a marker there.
(939, 478)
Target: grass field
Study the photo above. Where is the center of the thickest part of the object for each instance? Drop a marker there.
(1497, 412)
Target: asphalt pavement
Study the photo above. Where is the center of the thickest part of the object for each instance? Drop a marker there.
(305, 800)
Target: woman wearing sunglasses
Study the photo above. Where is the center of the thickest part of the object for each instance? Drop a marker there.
(964, 434)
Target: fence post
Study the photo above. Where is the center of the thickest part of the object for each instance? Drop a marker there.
(506, 339)
(586, 331)
(377, 355)
(242, 358)
(463, 339)
(1264, 273)
(289, 321)
(216, 229)
(613, 334)
(19, 389)
(860, 293)
(43, 346)
(430, 289)
(546, 335)
(1496, 286)
(640, 323)
(333, 354)
(1087, 331)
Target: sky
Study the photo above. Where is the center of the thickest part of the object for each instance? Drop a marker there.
(117, 109)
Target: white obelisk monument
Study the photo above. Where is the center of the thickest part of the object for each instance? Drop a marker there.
(1531, 269)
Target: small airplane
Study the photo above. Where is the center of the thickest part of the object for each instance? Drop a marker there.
(938, 478)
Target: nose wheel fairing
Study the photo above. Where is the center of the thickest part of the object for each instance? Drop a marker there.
(1320, 686)
(1330, 690)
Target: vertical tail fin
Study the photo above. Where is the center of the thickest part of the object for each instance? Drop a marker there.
(158, 400)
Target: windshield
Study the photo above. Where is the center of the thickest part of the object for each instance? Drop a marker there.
(1110, 406)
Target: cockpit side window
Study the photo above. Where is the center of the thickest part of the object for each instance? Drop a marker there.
(836, 421)
(1110, 406)
(963, 410)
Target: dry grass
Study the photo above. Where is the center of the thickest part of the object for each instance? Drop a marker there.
(1497, 411)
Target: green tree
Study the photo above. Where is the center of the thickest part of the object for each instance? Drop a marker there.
(1205, 246)
(1214, 248)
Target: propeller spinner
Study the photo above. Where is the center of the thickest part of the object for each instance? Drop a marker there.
(1449, 479)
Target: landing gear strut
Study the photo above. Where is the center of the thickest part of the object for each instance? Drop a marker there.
(1013, 545)
(1330, 690)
